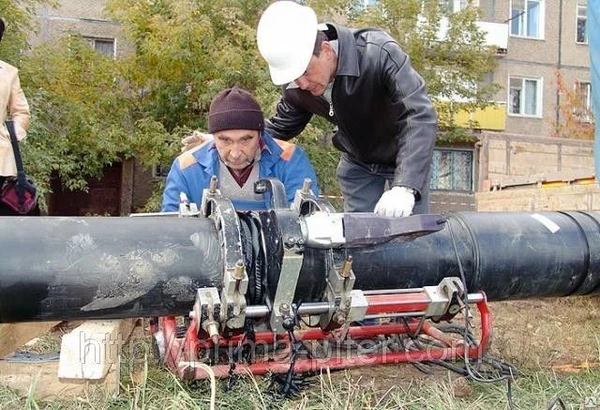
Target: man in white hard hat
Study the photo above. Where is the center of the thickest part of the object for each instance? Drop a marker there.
(363, 82)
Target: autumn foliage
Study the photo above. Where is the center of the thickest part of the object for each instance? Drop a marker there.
(576, 119)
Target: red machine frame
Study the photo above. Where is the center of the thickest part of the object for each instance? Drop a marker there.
(181, 354)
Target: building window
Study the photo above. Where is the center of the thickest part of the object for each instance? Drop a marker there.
(454, 6)
(104, 46)
(452, 170)
(527, 18)
(584, 92)
(160, 171)
(524, 96)
(582, 24)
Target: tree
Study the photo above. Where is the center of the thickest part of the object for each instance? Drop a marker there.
(90, 111)
(576, 119)
(454, 65)
(18, 17)
(186, 52)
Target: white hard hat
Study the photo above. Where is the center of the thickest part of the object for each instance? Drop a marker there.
(286, 39)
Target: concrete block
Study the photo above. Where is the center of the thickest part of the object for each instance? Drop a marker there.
(89, 351)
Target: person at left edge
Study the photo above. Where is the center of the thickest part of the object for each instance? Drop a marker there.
(240, 154)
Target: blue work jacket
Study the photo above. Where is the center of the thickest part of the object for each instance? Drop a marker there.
(191, 173)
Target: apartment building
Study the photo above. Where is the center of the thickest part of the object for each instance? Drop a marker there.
(543, 36)
(533, 38)
(86, 18)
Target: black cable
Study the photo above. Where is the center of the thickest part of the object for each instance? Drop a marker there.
(290, 384)
(466, 305)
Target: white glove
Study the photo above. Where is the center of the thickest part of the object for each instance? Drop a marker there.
(397, 202)
(197, 138)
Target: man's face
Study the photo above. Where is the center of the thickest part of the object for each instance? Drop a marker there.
(320, 71)
(237, 148)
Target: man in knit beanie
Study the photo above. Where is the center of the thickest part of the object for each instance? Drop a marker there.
(239, 154)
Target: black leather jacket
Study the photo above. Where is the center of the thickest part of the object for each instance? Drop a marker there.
(380, 106)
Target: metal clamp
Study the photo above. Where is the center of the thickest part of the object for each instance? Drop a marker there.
(446, 299)
(187, 208)
(293, 258)
(235, 278)
(339, 295)
(207, 310)
(286, 288)
(306, 203)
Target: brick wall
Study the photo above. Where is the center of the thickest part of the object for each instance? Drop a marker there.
(508, 156)
(565, 198)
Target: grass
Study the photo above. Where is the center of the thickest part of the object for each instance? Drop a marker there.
(159, 389)
(535, 335)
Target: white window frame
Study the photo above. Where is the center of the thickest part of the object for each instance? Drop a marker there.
(585, 117)
(539, 97)
(92, 41)
(577, 17)
(541, 21)
(454, 6)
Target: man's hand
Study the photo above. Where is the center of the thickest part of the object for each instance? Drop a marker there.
(197, 138)
(397, 202)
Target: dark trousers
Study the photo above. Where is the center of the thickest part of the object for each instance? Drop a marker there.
(363, 184)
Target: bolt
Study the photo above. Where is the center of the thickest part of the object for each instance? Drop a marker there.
(284, 308)
(213, 184)
(239, 270)
(339, 318)
(291, 240)
(347, 267)
(453, 309)
(212, 328)
(306, 185)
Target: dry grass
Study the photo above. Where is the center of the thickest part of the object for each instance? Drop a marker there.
(538, 336)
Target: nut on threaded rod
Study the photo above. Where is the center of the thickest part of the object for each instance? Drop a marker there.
(239, 270)
(212, 188)
(347, 267)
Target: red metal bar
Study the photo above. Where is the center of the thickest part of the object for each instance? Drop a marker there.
(397, 303)
(172, 342)
(333, 363)
(355, 332)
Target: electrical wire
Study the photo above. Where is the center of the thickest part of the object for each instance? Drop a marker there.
(507, 371)
(468, 366)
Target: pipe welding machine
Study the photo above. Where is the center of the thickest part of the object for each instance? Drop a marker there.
(293, 289)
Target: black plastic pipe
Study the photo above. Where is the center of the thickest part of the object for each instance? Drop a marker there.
(508, 255)
(55, 268)
(70, 268)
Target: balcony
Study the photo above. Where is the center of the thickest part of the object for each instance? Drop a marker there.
(491, 118)
(496, 34)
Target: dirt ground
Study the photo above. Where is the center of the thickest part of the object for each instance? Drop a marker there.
(561, 334)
